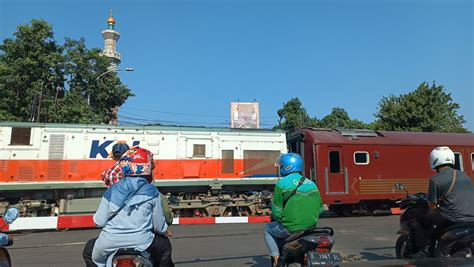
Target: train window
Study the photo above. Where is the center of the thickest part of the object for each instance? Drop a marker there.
(458, 161)
(261, 162)
(472, 161)
(20, 136)
(361, 158)
(334, 162)
(227, 161)
(199, 150)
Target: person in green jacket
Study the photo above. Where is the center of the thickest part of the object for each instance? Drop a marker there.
(296, 203)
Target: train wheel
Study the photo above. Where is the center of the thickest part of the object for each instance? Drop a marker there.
(340, 211)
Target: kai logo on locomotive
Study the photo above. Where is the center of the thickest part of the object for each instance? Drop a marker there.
(98, 148)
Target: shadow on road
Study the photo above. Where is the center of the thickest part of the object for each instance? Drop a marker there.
(258, 260)
(364, 255)
(368, 254)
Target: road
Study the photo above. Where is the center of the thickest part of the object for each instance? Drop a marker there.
(362, 241)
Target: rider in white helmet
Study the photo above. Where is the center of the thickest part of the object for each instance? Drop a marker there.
(450, 197)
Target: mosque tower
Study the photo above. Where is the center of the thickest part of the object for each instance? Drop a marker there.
(111, 36)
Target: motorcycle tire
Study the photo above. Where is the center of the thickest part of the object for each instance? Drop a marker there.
(402, 250)
(4, 258)
(294, 265)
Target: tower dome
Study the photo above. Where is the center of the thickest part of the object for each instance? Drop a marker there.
(111, 21)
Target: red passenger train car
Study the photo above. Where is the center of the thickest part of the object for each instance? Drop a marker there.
(355, 170)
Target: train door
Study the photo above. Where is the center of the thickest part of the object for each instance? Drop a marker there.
(472, 164)
(335, 173)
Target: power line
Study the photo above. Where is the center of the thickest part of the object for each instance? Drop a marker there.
(142, 121)
(172, 122)
(186, 114)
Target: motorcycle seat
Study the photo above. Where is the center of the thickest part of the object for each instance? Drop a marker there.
(313, 231)
(127, 251)
(457, 230)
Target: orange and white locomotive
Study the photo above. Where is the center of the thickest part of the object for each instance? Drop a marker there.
(51, 169)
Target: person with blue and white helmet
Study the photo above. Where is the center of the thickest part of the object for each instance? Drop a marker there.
(296, 203)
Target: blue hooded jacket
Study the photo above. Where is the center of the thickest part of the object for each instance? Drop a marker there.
(135, 225)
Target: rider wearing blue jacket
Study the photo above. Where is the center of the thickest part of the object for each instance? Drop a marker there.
(140, 224)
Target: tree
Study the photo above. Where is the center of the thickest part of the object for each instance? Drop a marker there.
(83, 66)
(339, 118)
(31, 67)
(43, 81)
(294, 115)
(426, 109)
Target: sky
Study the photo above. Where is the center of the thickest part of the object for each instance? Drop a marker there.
(192, 58)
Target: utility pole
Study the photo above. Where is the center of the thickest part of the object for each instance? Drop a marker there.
(39, 103)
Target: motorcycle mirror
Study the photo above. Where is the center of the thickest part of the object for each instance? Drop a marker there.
(399, 186)
(10, 215)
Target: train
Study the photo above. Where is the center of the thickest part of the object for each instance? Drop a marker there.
(55, 169)
(355, 170)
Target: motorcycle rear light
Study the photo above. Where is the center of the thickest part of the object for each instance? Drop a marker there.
(324, 244)
(124, 262)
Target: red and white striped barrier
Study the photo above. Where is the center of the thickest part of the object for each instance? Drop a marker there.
(85, 221)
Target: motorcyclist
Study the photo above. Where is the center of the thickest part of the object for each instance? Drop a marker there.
(113, 175)
(140, 224)
(450, 198)
(8, 217)
(296, 203)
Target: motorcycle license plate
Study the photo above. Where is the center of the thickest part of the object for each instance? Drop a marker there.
(323, 258)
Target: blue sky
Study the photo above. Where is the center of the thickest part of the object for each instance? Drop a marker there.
(195, 57)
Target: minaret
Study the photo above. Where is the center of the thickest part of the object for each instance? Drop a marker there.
(111, 36)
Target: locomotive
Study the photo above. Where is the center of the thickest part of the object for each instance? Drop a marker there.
(55, 169)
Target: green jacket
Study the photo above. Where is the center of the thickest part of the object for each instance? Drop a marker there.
(166, 209)
(302, 209)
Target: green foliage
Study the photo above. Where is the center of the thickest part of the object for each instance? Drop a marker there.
(427, 109)
(73, 108)
(294, 115)
(43, 81)
(340, 119)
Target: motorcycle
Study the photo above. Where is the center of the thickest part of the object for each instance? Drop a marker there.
(455, 241)
(9, 216)
(131, 258)
(311, 247)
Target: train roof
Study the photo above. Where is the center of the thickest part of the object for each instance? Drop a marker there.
(136, 127)
(347, 136)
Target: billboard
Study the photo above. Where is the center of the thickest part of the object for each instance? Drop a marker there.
(244, 115)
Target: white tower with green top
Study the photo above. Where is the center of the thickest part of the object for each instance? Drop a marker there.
(111, 36)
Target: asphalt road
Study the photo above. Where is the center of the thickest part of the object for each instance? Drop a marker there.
(362, 241)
